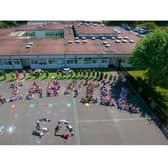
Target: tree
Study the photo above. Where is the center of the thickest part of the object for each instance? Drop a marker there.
(4, 24)
(151, 53)
(148, 24)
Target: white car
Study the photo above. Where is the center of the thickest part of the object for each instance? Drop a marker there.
(84, 41)
(126, 37)
(117, 41)
(76, 38)
(103, 38)
(125, 41)
(77, 41)
(70, 42)
(119, 37)
(28, 46)
(105, 42)
(108, 45)
(131, 41)
(29, 43)
(83, 38)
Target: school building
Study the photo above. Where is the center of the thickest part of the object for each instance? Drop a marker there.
(75, 45)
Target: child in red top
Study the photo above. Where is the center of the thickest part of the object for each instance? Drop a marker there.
(65, 136)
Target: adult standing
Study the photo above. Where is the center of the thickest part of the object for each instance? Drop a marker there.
(4, 75)
(17, 75)
(47, 74)
(24, 74)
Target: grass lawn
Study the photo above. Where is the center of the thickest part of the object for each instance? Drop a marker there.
(136, 74)
(79, 75)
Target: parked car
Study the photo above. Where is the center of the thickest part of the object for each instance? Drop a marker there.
(141, 30)
(126, 27)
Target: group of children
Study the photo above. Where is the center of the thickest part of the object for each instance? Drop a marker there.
(105, 99)
(53, 88)
(62, 126)
(35, 88)
(72, 86)
(40, 130)
(123, 104)
(90, 97)
(15, 92)
(68, 130)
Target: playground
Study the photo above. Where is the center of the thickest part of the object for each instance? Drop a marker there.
(98, 120)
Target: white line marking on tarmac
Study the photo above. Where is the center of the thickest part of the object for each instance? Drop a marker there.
(112, 120)
(77, 136)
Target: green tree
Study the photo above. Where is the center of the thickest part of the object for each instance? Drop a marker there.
(148, 24)
(4, 24)
(151, 53)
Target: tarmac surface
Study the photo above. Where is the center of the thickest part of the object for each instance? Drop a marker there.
(93, 124)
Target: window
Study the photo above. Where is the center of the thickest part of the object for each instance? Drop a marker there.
(70, 61)
(34, 61)
(59, 61)
(105, 60)
(16, 61)
(32, 34)
(79, 61)
(51, 61)
(95, 60)
(124, 60)
(42, 61)
(4, 62)
(88, 60)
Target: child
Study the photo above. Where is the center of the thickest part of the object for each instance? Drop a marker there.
(63, 122)
(65, 136)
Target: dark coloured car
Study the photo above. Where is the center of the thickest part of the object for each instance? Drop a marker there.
(126, 27)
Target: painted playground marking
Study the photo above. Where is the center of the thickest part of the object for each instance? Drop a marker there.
(112, 120)
(68, 105)
(31, 105)
(11, 129)
(77, 137)
(50, 105)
